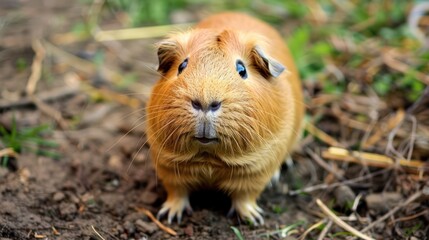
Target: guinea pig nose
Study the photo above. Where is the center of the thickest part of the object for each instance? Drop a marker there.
(197, 105)
(214, 106)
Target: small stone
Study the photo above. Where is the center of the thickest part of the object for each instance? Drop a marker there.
(189, 230)
(24, 175)
(382, 202)
(129, 227)
(68, 210)
(8, 208)
(140, 156)
(73, 198)
(149, 197)
(3, 172)
(128, 145)
(145, 226)
(425, 191)
(120, 229)
(58, 196)
(115, 162)
(344, 196)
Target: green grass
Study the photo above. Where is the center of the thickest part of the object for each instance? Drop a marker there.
(237, 233)
(29, 139)
(21, 64)
(278, 209)
(312, 49)
(359, 22)
(283, 232)
(409, 232)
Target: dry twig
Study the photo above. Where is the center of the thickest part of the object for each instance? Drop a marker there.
(411, 199)
(36, 71)
(322, 135)
(36, 67)
(55, 231)
(153, 218)
(39, 236)
(375, 160)
(314, 226)
(137, 33)
(325, 230)
(408, 218)
(384, 128)
(323, 164)
(393, 63)
(340, 222)
(51, 95)
(98, 234)
(8, 152)
(329, 186)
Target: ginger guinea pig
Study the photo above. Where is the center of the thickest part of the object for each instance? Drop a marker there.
(225, 113)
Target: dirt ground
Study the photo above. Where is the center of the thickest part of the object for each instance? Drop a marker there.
(103, 172)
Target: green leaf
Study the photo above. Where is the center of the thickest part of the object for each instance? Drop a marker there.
(237, 233)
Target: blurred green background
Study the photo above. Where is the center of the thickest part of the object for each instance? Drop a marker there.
(310, 28)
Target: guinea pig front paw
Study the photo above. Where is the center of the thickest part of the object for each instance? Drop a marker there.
(175, 207)
(247, 210)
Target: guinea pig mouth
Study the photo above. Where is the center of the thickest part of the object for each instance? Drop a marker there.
(206, 141)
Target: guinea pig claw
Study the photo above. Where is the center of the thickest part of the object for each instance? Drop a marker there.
(175, 208)
(248, 211)
(189, 210)
(230, 212)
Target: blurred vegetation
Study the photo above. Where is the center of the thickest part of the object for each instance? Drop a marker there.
(310, 28)
(27, 139)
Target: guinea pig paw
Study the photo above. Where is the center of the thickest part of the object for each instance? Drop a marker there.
(248, 210)
(175, 208)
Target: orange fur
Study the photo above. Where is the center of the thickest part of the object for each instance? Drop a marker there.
(257, 124)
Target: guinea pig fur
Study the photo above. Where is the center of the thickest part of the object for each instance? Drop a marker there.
(225, 113)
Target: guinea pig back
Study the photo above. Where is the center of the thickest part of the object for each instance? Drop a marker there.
(225, 113)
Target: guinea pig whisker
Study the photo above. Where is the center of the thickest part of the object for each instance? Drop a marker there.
(135, 125)
(135, 155)
(157, 133)
(123, 136)
(164, 142)
(132, 113)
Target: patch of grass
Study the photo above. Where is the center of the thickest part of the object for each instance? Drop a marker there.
(237, 233)
(411, 230)
(21, 64)
(382, 24)
(356, 22)
(127, 80)
(146, 12)
(81, 29)
(283, 232)
(278, 209)
(27, 139)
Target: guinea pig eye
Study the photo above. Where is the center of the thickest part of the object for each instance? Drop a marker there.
(241, 69)
(183, 65)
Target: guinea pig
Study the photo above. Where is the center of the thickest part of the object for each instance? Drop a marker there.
(225, 114)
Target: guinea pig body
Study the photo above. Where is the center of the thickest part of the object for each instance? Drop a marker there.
(226, 112)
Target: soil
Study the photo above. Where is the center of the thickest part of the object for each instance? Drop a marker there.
(104, 172)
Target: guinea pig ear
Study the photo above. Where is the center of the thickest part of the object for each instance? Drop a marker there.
(268, 67)
(167, 54)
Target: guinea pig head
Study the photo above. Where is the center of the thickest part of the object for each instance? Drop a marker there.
(218, 93)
